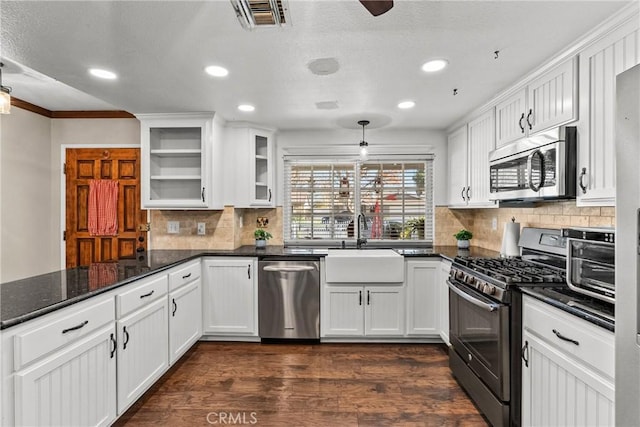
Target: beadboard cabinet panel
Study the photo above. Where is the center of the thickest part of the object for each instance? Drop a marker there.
(481, 142)
(230, 297)
(422, 301)
(599, 65)
(510, 115)
(76, 386)
(142, 351)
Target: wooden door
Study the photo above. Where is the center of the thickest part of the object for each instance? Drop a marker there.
(121, 164)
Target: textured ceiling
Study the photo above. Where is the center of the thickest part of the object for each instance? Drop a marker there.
(159, 50)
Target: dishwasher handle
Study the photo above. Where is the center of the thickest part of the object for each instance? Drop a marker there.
(289, 268)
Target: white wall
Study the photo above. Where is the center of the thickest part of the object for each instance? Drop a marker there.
(375, 137)
(28, 242)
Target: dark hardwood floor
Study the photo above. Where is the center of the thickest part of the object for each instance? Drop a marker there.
(307, 385)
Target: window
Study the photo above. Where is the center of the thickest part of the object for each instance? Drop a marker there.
(323, 199)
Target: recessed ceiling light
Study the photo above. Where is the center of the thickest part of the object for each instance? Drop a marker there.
(246, 108)
(103, 74)
(406, 105)
(434, 65)
(216, 71)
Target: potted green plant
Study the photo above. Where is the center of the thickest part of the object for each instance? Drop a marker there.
(463, 236)
(261, 237)
(414, 225)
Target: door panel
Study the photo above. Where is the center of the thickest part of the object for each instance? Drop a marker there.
(83, 165)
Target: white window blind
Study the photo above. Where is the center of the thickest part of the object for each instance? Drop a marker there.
(323, 199)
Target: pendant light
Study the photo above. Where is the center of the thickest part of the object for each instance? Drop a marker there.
(364, 150)
(5, 95)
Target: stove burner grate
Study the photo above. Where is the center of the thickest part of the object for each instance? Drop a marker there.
(512, 270)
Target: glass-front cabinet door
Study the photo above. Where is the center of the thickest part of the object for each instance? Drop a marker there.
(175, 160)
(262, 168)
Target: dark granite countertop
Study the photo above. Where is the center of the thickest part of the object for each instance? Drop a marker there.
(28, 298)
(570, 302)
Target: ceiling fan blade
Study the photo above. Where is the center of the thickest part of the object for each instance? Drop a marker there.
(377, 7)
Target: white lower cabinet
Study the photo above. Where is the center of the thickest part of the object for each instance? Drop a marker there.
(185, 319)
(356, 311)
(142, 352)
(230, 297)
(75, 386)
(565, 383)
(423, 297)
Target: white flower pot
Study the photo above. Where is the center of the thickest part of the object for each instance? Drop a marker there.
(261, 243)
(463, 244)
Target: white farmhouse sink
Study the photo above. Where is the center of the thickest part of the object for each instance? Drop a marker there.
(364, 266)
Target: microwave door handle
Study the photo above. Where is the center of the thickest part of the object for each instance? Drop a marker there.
(530, 170)
(465, 296)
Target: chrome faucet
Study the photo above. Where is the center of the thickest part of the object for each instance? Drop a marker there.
(361, 241)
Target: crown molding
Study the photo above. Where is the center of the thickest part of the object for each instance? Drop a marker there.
(97, 114)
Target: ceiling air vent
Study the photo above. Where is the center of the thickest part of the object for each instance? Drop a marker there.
(261, 13)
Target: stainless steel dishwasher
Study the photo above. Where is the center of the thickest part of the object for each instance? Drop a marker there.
(289, 298)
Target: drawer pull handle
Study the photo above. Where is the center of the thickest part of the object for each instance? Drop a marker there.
(359, 297)
(147, 295)
(75, 328)
(126, 337)
(115, 346)
(368, 297)
(563, 338)
(186, 276)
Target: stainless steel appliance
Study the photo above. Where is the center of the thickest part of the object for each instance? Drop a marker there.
(485, 319)
(539, 167)
(591, 262)
(627, 145)
(289, 298)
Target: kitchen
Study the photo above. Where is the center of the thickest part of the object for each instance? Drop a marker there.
(232, 226)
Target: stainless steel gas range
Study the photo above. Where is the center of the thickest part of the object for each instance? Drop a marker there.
(485, 319)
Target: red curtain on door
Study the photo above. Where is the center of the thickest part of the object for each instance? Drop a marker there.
(103, 207)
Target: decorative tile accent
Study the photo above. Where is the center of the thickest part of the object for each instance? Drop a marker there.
(223, 228)
(548, 214)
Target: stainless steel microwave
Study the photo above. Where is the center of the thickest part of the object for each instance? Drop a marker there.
(539, 167)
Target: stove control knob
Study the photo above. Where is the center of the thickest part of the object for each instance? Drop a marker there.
(469, 280)
(459, 274)
(489, 289)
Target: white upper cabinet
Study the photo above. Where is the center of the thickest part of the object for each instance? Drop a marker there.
(253, 170)
(457, 153)
(553, 98)
(510, 118)
(599, 64)
(482, 140)
(546, 102)
(178, 153)
(468, 153)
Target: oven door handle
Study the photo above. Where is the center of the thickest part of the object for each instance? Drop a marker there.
(469, 298)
